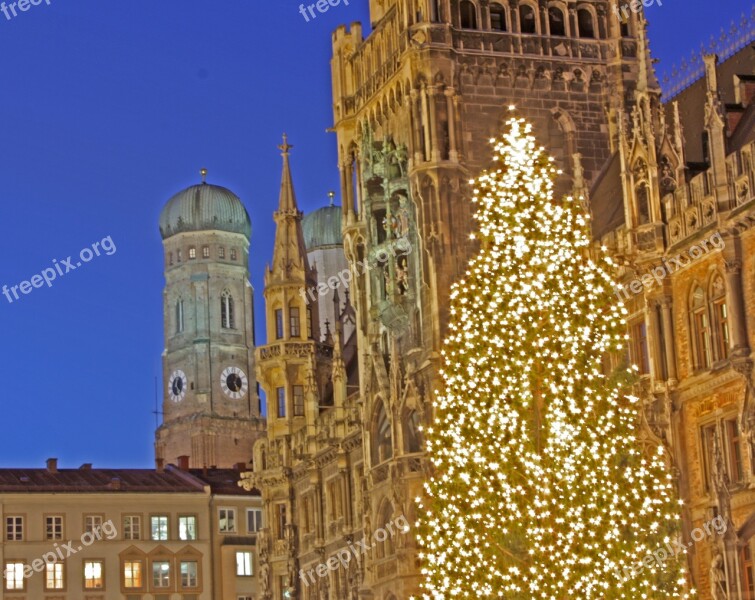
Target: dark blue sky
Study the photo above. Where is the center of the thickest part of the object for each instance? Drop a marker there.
(107, 108)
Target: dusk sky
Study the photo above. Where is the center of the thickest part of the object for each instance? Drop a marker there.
(108, 108)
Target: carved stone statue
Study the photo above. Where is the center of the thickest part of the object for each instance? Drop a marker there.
(717, 578)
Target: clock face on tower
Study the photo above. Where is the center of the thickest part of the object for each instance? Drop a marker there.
(234, 382)
(177, 385)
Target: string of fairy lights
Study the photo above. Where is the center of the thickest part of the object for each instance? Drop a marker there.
(541, 487)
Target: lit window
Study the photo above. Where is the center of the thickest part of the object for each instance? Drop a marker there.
(281, 394)
(226, 310)
(298, 400)
(192, 253)
(54, 527)
(293, 321)
(278, 323)
(233, 253)
(253, 520)
(14, 576)
(14, 529)
(189, 573)
(159, 527)
(132, 527)
(244, 564)
(161, 574)
(54, 579)
(92, 523)
(132, 574)
(93, 575)
(221, 252)
(227, 520)
(205, 252)
(187, 528)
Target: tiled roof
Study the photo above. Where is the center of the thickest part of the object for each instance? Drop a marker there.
(69, 481)
(223, 482)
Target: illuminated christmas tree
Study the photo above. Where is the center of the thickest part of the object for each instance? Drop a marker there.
(541, 487)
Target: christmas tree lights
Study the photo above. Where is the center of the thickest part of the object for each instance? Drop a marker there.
(541, 488)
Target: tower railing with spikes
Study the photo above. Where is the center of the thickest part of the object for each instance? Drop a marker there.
(691, 69)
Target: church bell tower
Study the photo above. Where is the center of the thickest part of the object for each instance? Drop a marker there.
(211, 411)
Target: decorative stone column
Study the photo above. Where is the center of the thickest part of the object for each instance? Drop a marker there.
(451, 110)
(668, 339)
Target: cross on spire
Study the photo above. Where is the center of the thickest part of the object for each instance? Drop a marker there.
(285, 146)
(203, 173)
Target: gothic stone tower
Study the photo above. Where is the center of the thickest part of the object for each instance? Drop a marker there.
(415, 104)
(210, 406)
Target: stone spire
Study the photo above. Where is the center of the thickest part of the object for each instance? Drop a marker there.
(290, 263)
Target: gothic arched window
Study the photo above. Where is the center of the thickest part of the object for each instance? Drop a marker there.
(700, 329)
(384, 546)
(179, 315)
(382, 438)
(412, 433)
(497, 17)
(527, 23)
(468, 14)
(720, 312)
(643, 203)
(226, 310)
(556, 23)
(585, 23)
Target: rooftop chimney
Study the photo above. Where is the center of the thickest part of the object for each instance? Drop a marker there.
(52, 465)
(183, 463)
(159, 465)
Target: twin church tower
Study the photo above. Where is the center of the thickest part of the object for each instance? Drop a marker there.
(212, 413)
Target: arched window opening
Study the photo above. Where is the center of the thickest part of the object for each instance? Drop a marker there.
(527, 22)
(556, 22)
(701, 330)
(497, 17)
(412, 433)
(586, 24)
(226, 310)
(643, 203)
(384, 547)
(468, 15)
(382, 437)
(720, 312)
(179, 315)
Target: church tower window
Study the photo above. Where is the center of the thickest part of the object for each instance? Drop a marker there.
(205, 252)
(298, 400)
(192, 253)
(233, 253)
(382, 437)
(178, 255)
(226, 310)
(179, 315)
(221, 252)
(720, 313)
(281, 398)
(278, 323)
